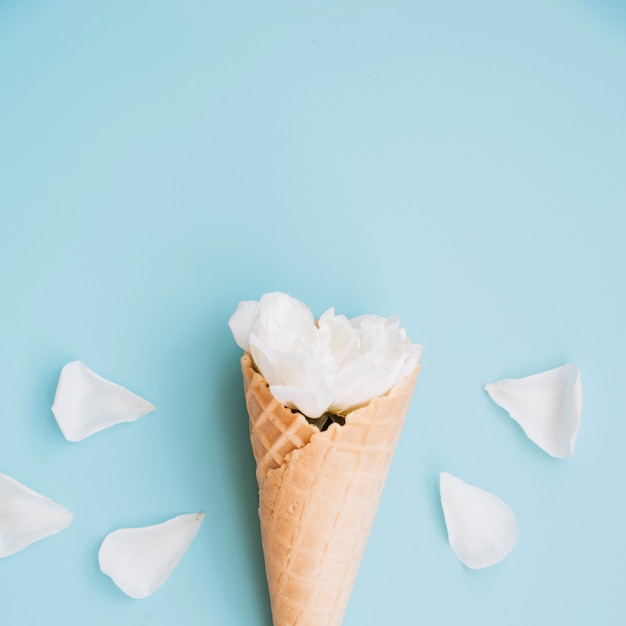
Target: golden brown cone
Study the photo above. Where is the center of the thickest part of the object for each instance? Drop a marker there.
(318, 495)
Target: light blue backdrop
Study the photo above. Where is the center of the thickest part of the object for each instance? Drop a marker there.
(461, 164)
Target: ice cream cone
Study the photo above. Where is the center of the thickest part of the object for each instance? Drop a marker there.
(318, 495)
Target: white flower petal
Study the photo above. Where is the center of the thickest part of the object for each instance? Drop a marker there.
(355, 384)
(265, 360)
(311, 403)
(26, 516)
(284, 323)
(547, 406)
(139, 560)
(481, 528)
(241, 322)
(86, 403)
(342, 340)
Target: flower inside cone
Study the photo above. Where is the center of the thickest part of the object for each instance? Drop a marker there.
(331, 366)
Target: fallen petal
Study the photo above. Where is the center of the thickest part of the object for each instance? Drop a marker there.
(547, 406)
(139, 560)
(86, 403)
(26, 516)
(481, 528)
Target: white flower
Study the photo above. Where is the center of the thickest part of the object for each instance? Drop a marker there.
(335, 365)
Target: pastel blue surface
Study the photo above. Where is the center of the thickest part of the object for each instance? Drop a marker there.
(459, 164)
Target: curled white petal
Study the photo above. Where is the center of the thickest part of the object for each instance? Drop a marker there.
(481, 528)
(547, 406)
(86, 403)
(26, 516)
(241, 323)
(139, 560)
(312, 403)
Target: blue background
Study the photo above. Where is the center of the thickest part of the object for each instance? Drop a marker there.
(461, 164)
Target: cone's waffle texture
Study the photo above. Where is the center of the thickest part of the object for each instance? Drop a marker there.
(318, 495)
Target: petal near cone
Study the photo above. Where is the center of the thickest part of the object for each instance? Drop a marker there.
(139, 560)
(547, 406)
(26, 516)
(86, 403)
(481, 528)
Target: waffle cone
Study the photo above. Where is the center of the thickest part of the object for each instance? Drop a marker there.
(318, 495)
